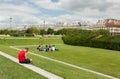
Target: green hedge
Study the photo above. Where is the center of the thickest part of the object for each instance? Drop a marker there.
(89, 39)
(22, 34)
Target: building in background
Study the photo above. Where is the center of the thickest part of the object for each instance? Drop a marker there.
(113, 25)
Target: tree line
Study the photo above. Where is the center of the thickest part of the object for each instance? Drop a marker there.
(32, 31)
(95, 38)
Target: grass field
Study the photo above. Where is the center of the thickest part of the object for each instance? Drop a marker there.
(11, 70)
(100, 60)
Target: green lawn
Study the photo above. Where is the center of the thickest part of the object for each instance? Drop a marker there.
(100, 60)
(29, 41)
(11, 70)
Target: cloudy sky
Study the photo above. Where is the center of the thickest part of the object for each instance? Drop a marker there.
(52, 11)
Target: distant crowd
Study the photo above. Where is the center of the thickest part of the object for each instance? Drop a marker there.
(47, 48)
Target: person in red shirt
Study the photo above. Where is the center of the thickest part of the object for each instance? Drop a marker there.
(22, 56)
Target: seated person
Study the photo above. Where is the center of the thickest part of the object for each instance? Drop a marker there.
(22, 57)
(40, 48)
(50, 48)
(46, 48)
(55, 47)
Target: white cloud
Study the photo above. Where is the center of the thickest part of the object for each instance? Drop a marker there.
(7, 0)
(94, 8)
(86, 8)
(20, 8)
(22, 13)
(29, 11)
(47, 4)
(70, 18)
(114, 1)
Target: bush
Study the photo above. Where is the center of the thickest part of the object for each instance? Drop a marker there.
(21, 34)
(98, 39)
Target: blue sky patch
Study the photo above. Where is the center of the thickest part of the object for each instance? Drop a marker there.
(55, 12)
(55, 0)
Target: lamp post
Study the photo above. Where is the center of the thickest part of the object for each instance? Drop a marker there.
(10, 22)
(44, 23)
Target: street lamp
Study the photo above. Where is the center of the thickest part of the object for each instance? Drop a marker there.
(10, 22)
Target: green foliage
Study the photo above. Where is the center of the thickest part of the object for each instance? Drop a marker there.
(22, 34)
(42, 32)
(4, 31)
(32, 30)
(103, 32)
(98, 39)
(50, 31)
(61, 31)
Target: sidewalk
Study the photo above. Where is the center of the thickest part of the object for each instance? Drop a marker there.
(32, 67)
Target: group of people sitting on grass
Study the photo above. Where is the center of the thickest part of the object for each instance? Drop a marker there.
(47, 48)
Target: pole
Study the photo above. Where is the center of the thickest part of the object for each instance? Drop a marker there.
(10, 22)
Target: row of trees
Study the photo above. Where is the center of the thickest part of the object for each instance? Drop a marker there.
(98, 39)
(32, 31)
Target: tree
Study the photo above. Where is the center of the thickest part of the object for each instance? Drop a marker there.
(4, 31)
(42, 32)
(50, 31)
(79, 23)
(33, 30)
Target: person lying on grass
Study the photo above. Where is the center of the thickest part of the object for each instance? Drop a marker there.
(22, 56)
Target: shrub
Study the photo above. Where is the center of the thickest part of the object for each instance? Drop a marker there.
(98, 39)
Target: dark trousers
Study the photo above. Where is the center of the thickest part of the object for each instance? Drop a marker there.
(27, 61)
